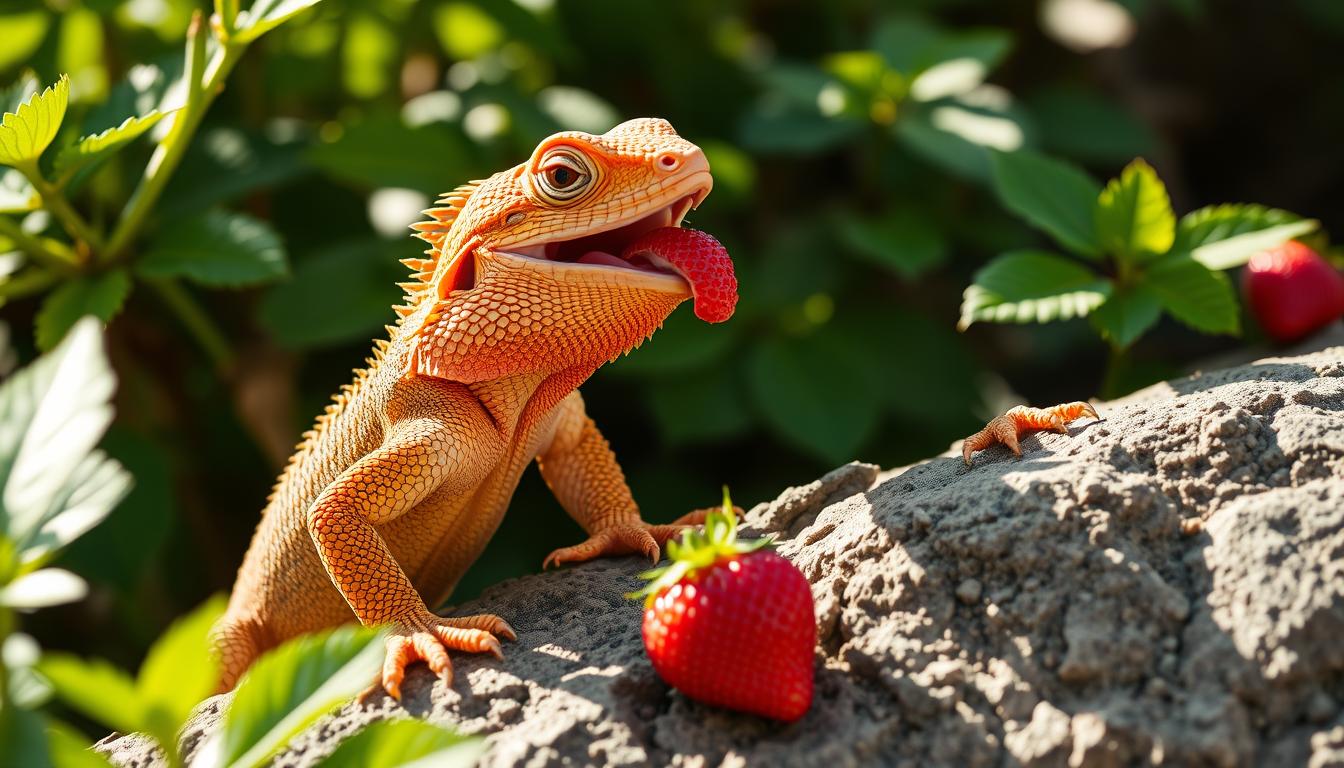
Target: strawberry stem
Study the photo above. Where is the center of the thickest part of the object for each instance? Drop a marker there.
(699, 549)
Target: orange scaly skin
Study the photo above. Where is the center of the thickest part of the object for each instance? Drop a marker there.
(1008, 427)
(395, 492)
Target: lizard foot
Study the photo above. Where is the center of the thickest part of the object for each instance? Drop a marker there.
(1006, 428)
(629, 538)
(428, 638)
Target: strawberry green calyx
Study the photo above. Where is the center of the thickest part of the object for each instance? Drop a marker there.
(699, 549)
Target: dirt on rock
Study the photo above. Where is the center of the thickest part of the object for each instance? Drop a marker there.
(1163, 586)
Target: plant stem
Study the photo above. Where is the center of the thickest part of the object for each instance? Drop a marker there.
(54, 200)
(48, 252)
(205, 81)
(27, 283)
(196, 321)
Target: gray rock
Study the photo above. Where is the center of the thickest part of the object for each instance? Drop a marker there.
(1047, 611)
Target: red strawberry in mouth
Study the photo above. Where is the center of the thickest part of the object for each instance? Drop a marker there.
(696, 256)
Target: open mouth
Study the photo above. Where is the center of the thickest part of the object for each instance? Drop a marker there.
(605, 248)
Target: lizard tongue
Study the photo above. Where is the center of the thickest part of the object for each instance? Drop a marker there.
(699, 258)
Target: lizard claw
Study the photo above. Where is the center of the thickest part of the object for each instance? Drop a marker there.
(1007, 428)
(428, 638)
(629, 538)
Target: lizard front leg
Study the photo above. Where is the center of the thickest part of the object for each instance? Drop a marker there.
(581, 470)
(1023, 418)
(419, 456)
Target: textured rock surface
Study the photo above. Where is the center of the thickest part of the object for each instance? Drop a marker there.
(1048, 611)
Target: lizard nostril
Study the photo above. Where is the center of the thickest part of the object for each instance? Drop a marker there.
(669, 162)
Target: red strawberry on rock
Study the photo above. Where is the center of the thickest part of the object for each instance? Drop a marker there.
(730, 623)
(1292, 291)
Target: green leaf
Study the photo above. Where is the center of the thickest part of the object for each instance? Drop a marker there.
(1126, 315)
(52, 413)
(1054, 196)
(397, 743)
(777, 129)
(26, 132)
(69, 748)
(91, 149)
(817, 393)
(1133, 214)
(216, 248)
(959, 134)
(1226, 236)
(1032, 286)
(23, 739)
(684, 343)
(96, 689)
(179, 670)
(1081, 124)
(383, 151)
(23, 34)
(903, 40)
(466, 31)
(1194, 294)
(27, 689)
(43, 588)
(265, 15)
(341, 293)
(958, 62)
(902, 241)
(290, 687)
(698, 407)
(99, 295)
(225, 164)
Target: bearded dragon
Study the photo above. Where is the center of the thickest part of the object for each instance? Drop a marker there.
(527, 288)
(534, 278)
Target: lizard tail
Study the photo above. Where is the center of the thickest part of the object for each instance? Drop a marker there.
(235, 642)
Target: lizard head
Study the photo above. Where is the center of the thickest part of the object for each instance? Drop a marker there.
(531, 270)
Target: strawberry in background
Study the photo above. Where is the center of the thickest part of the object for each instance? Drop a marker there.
(1292, 291)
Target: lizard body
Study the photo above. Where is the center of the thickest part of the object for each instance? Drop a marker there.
(399, 486)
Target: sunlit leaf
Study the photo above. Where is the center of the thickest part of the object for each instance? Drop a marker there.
(217, 248)
(43, 588)
(1126, 315)
(180, 670)
(1054, 196)
(466, 31)
(1032, 287)
(958, 135)
(290, 687)
(26, 132)
(95, 689)
(265, 15)
(79, 53)
(1194, 294)
(1134, 216)
(99, 295)
(793, 385)
(52, 413)
(369, 54)
(27, 689)
(1226, 236)
(403, 744)
(904, 242)
(22, 33)
(91, 149)
(575, 109)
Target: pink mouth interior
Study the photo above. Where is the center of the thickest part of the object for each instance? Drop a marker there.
(655, 244)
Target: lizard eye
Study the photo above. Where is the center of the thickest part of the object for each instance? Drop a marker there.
(564, 174)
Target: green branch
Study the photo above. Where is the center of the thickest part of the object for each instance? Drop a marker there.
(204, 81)
(54, 200)
(27, 283)
(196, 322)
(45, 251)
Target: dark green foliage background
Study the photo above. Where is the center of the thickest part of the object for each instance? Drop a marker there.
(854, 233)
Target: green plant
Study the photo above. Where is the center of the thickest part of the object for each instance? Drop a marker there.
(91, 270)
(1133, 259)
